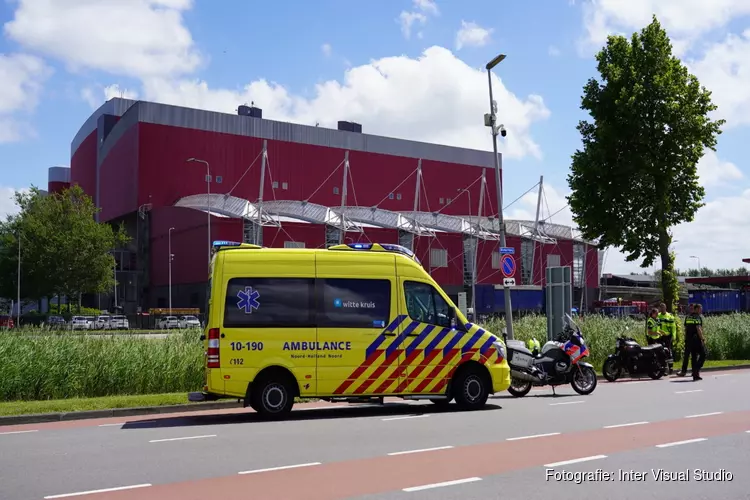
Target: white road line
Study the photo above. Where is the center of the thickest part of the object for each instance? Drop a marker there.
(182, 438)
(98, 491)
(723, 375)
(404, 418)
(686, 392)
(533, 436)
(420, 451)
(284, 467)
(677, 443)
(705, 414)
(17, 432)
(111, 425)
(635, 382)
(576, 460)
(440, 485)
(567, 403)
(624, 425)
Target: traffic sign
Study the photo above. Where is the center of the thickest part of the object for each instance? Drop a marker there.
(509, 282)
(507, 250)
(508, 266)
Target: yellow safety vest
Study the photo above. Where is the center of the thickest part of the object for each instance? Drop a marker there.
(667, 323)
(651, 326)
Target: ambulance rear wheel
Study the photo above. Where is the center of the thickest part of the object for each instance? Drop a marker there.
(272, 398)
(470, 388)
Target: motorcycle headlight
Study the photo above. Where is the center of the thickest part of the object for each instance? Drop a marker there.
(500, 349)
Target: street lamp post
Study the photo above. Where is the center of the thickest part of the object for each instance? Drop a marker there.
(18, 315)
(208, 201)
(171, 256)
(490, 121)
(700, 269)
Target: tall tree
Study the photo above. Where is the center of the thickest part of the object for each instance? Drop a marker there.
(636, 176)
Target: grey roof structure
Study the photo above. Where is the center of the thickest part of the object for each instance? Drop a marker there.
(261, 128)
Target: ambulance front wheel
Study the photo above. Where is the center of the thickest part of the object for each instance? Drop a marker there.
(471, 388)
(272, 397)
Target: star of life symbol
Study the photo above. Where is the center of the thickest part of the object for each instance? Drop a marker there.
(248, 299)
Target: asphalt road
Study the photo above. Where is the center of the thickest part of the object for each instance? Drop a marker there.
(345, 451)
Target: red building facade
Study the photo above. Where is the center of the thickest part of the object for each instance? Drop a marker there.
(133, 157)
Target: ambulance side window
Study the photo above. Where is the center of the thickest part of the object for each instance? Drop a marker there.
(354, 303)
(270, 303)
(426, 305)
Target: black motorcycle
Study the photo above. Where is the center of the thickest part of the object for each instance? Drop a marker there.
(636, 360)
(560, 362)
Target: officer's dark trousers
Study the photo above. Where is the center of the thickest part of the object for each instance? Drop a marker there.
(697, 355)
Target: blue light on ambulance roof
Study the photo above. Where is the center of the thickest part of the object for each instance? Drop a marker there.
(225, 243)
(360, 246)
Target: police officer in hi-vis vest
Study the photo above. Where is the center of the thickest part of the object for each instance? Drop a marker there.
(695, 343)
(653, 329)
(668, 325)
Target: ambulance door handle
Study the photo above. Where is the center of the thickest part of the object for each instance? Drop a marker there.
(222, 335)
(389, 334)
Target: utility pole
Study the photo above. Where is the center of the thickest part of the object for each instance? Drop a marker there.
(343, 197)
(536, 226)
(170, 269)
(491, 120)
(18, 315)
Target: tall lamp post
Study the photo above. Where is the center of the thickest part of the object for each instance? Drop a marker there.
(490, 120)
(208, 201)
(171, 256)
(18, 315)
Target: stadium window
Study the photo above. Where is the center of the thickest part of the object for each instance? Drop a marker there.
(495, 260)
(398, 196)
(390, 196)
(355, 303)
(208, 178)
(442, 201)
(449, 201)
(335, 190)
(438, 257)
(219, 179)
(275, 184)
(426, 305)
(294, 244)
(284, 185)
(270, 303)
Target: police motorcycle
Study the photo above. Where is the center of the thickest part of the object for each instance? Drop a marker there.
(558, 362)
(636, 360)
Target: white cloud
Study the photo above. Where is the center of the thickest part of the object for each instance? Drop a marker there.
(326, 49)
(553, 51)
(684, 20)
(715, 172)
(7, 202)
(21, 79)
(137, 38)
(435, 98)
(472, 35)
(421, 9)
(97, 95)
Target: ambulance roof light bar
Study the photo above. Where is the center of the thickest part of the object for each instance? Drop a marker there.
(378, 247)
(219, 244)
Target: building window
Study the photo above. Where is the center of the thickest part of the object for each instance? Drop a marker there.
(270, 303)
(438, 257)
(219, 179)
(527, 261)
(578, 264)
(336, 190)
(208, 178)
(426, 305)
(284, 185)
(496, 260)
(294, 244)
(449, 201)
(398, 196)
(390, 196)
(442, 201)
(275, 184)
(553, 260)
(355, 303)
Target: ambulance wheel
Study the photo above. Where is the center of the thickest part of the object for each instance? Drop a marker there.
(471, 388)
(272, 398)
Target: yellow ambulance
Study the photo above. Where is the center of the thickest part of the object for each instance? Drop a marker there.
(352, 322)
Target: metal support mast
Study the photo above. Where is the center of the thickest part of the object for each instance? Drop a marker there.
(344, 183)
(536, 227)
(476, 248)
(259, 225)
(416, 188)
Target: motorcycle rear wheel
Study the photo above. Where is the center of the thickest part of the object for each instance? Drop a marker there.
(656, 372)
(611, 370)
(519, 388)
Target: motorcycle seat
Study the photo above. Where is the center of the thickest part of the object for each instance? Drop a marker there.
(519, 347)
(651, 347)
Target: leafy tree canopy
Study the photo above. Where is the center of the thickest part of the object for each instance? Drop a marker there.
(636, 175)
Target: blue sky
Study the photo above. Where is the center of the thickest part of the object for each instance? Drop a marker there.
(315, 61)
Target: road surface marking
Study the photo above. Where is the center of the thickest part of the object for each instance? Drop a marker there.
(677, 443)
(440, 485)
(283, 467)
(16, 432)
(635, 382)
(568, 403)
(419, 451)
(111, 425)
(685, 392)
(624, 425)
(533, 436)
(404, 418)
(576, 460)
(182, 438)
(705, 414)
(98, 491)
(723, 375)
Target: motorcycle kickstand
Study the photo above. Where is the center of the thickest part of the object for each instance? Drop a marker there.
(554, 394)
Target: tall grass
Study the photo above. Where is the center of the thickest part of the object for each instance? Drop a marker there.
(38, 365)
(727, 336)
(58, 366)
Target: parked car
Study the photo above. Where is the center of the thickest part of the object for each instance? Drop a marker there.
(81, 323)
(168, 322)
(186, 322)
(6, 321)
(119, 323)
(56, 322)
(102, 323)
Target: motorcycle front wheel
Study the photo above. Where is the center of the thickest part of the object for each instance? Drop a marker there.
(519, 388)
(611, 370)
(584, 380)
